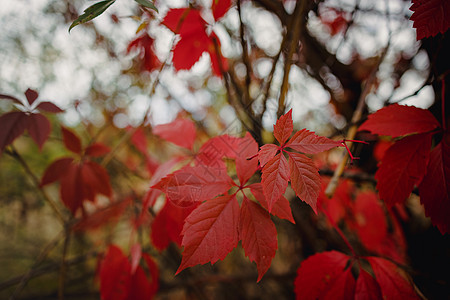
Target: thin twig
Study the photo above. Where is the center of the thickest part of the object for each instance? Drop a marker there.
(63, 265)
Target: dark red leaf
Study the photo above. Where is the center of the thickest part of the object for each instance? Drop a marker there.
(335, 207)
(258, 235)
(49, 107)
(38, 128)
(210, 232)
(13, 124)
(308, 142)
(305, 178)
(283, 127)
(275, 177)
(96, 150)
(402, 167)
(154, 274)
(266, 153)
(398, 120)
(194, 184)
(343, 287)
(434, 190)
(31, 96)
(71, 141)
(14, 99)
(367, 287)
(281, 208)
(56, 170)
(245, 167)
(181, 132)
(220, 8)
(430, 17)
(392, 280)
(115, 280)
(317, 273)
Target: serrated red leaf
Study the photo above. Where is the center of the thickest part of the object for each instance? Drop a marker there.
(115, 277)
(308, 142)
(71, 141)
(96, 150)
(143, 44)
(13, 124)
(215, 149)
(246, 167)
(403, 166)
(317, 273)
(434, 190)
(49, 107)
(210, 232)
(56, 170)
(31, 96)
(305, 178)
(282, 129)
(38, 128)
(398, 120)
(220, 8)
(392, 280)
(258, 235)
(430, 17)
(275, 177)
(343, 287)
(367, 287)
(266, 153)
(181, 132)
(194, 184)
(281, 208)
(168, 224)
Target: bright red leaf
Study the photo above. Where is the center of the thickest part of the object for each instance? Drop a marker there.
(402, 167)
(392, 280)
(398, 120)
(308, 142)
(181, 132)
(283, 127)
(210, 231)
(114, 274)
(246, 167)
(215, 149)
(317, 274)
(434, 190)
(258, 235)
(281, 208)
(305, 178)
(266, 153)
(275, 177)
(143, 44)
(220, 8)
(367, 287)
(343, 287)
(430, 17)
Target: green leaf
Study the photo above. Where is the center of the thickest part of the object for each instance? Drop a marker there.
(91, 12)
(147, 4)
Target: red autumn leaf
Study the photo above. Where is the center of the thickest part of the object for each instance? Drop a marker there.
(183, 20)
(245, 167)
(49, 107)
(56, 170)
(71, 141)
(168, 224)
(283, 127)
(266, 153)
(258, 235)
(214, 150)
(398, 120)
(275, 177)
(380, 149)
(434, 190)
(31, 96)
(343, 287)
(14, 99)
(13, 125)
(109, 214)
(96, 150)
(367, 287)
(139, 140)
(370, 220)
(115, 277)
(308, 142)
(194, 184)
(143, 44)
(220, 8)
(181, 132)
(402, 167)
(335, 207)
(281, 208)
(305, 178)
(392, 280)
(317, 274)
(136, 253)
(210, 232)
(430, 17)
(38, 128)
(154, 275)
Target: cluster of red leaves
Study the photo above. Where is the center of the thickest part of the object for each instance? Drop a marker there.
(80, 177)
(409, 162)
(430, 17)
(217, 211)
(121, 279)
(28, 118)
(329, 275)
